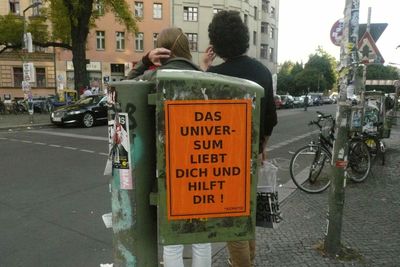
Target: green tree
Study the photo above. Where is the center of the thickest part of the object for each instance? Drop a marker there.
(70, 22)
(381, 72)
(286, 78)
(318, 75)
(321, 68)
(285, 81)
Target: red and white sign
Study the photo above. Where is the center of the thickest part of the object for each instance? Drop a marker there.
(369, 51)
(336, 33)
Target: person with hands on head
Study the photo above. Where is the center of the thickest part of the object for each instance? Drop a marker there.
(229, 39)
(172, 52)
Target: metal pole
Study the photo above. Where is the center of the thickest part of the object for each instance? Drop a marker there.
(348, 61)
(25, 48)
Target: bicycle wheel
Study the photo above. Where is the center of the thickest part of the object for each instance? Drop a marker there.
(310, 168)
(359, 161)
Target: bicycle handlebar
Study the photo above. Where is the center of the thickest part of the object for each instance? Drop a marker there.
(321, 117)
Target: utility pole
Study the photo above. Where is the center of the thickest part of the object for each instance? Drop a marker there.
(28, 68)
(348, 65)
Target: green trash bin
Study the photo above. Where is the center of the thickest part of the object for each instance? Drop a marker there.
(207, 132)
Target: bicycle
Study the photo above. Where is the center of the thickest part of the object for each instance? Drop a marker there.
(376, 146)
(307, 164)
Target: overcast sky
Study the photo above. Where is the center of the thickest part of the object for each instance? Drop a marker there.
(305, 25)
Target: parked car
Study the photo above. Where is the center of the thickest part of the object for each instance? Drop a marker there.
(278, 101)
(287, 101)
(316, 99)
(334, 97)
(327, 100)
(86, 112)
(298, 101)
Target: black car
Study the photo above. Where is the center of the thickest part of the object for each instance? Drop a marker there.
(86, 112)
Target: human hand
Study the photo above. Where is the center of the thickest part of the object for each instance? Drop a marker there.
(208, 58)
(157, 54)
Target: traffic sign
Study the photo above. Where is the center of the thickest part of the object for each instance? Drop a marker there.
(369, 51)
(336, 33)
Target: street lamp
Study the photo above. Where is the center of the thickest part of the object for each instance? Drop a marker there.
(33, 5)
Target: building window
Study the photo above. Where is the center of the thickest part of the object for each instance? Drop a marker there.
(254, 38)
(255, 13)
(18, 76)
(100, 40)
(120, 40)
(265, 5)
(272, 11)
(139, 9)
(117, 68)
(36, 10)
(190, 13)
(192, 37)
(271, 33)
(216, 10)
(14, 6)
(99, 7)
(271, 54)
(157, 11)
(155, 36)
(40, 77)
(37, 48)
(264, 51)
(139, 41)
(264, 27)
(246, 19)
(117, 72)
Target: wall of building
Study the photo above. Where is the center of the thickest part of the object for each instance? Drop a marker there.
(252, 9)
(101, 61)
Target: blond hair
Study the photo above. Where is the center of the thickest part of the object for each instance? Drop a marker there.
(176, 41)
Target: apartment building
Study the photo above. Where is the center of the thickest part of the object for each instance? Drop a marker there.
(261, 17)
(113, 51)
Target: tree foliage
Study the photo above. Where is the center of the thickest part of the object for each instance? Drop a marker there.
(317, 75)
(70, 22)
(381, 72)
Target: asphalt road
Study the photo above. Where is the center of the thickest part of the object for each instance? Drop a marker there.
(52, 196)
(53, 192)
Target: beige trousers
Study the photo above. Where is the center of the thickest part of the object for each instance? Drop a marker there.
(242, 253)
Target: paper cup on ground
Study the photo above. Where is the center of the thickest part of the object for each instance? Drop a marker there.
(107, 219)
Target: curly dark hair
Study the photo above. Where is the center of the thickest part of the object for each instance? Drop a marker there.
(228, 35)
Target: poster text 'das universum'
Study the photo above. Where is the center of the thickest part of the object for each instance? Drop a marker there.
(208, 149)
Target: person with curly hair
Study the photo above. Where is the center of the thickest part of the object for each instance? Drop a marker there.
(229, 39)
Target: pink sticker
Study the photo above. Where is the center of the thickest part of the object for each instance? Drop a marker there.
(125, 177)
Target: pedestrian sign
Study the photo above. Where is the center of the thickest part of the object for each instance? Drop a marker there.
(369, 51)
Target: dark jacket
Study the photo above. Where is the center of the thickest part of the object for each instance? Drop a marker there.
(250, 69)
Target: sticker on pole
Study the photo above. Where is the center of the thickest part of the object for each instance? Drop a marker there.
(208, 149)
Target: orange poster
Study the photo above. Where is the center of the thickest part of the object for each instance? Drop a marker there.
(208, 150)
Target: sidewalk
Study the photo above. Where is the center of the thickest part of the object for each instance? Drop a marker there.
(10, 121)
(370, 222)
